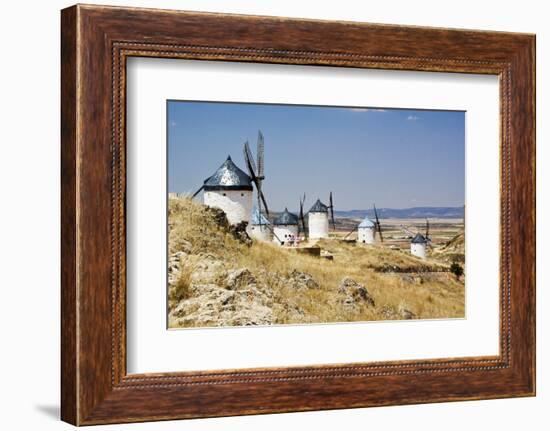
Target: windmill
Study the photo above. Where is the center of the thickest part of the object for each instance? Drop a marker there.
(420, 242)
(367, 229)
(411, 234)
(319, 216)
(229, 189)
(302, 218)
(256, 172)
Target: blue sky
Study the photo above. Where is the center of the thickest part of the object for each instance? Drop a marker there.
(395, 158)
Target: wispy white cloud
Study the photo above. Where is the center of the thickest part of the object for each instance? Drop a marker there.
(413, 118)
(173, 123)
(367, 110)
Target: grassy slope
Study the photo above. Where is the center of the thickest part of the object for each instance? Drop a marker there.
(426, 295)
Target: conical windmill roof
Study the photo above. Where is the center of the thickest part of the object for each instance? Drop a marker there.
(258, 218)
(286, 218)
(367, 222)
(318, 207)
(228, 177)
(419, 239)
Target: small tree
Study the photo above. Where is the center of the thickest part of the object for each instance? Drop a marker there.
(457, 270)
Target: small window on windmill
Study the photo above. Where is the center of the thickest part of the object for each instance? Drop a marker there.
(242, 194)
(225, 194)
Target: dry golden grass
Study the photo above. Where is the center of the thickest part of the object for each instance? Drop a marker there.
(426, 294)
(182, 288)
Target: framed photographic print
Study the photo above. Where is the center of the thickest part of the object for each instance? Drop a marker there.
(267, 215)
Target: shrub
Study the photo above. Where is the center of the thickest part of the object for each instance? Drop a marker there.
(457, 270)
(181, 289)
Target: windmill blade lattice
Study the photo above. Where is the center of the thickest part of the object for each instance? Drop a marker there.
(260, 153)
(257, 172)
(249, 159)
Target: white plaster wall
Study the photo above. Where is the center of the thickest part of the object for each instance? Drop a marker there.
(259, 232)
(237, 204)
(318, 225)
(365, 235)
(418, 250)
(281, 231)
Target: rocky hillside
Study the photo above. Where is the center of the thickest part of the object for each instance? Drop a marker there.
(453, 250)
(218, 277)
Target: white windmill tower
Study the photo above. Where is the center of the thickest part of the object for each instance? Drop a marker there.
(229, 189)
(419, 242)
(365, 231)
(285, 228)
(318, 218)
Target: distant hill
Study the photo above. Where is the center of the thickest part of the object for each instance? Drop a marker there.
(416, 212)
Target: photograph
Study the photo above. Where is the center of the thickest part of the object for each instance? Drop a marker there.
(295, 214)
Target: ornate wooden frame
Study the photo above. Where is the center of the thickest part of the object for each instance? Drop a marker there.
(95, 42)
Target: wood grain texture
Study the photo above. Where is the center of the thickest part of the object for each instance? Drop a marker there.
(69, 367)
(96, 41)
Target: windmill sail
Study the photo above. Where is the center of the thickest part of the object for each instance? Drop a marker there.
(197, 192)
(250, 164)
(427, 229)
(407, 231)
(331, 206)
(351, 231)
(302, 218)
(256, 172)
(260, 154)
(378, 227)
(428, 239)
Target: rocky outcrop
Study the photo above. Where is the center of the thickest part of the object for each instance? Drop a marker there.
(406, 314)
(218, 215)
(301, 280)
(174, 266)
(222, 297)
(388, 312)
(207, 268)
(354, 295)
(239, 233)
(216, 306)
(237, 278)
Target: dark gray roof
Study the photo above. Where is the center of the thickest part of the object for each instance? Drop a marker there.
(419, 239)
(318, 207)
(286, 217)
(228, 177)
